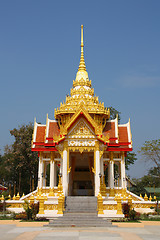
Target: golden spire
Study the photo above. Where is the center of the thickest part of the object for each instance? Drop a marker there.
(82, 65)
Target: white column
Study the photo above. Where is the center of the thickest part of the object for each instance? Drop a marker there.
(64, 174)
(61, 167)
(52, 167)
(123, 175)
(55, 175)
(44, 173)
(40, 171)
(97, 178)
(102, 167)
(111, 174)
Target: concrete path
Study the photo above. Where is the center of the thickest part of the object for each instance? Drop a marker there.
(16, 230)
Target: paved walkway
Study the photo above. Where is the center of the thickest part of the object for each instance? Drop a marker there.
(15, 230)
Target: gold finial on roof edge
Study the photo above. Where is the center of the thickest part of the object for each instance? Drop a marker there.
(82, 65)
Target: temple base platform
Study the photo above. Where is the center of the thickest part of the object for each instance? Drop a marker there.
(52, 203)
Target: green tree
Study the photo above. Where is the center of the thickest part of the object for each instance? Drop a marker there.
(149, 180)
(151, 152)
(20, 164)
(130, 159)
(113, 114)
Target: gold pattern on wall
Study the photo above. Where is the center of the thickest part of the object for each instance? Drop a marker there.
(143, 205)
(50, 207)
(14, 205)
(81, 130)
(81, 149)
(110, 207)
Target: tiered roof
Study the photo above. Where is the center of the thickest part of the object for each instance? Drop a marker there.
(82, 102)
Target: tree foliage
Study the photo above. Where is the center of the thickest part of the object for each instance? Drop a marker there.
(151, 152)
(149, 180)
(19, 164)
(130, 159)
(113, 114)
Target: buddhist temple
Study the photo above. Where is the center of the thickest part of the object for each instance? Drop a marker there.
(82, 140)
(85, 152)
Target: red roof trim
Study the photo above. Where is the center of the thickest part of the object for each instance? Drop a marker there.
(124, 143)
(118, 144)
(44, 150)
(49, 138)
(119, 149)
(113, 138)
(49, 144)
(113, 144)
(38, 143)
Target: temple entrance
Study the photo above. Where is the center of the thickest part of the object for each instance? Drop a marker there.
(81, 177)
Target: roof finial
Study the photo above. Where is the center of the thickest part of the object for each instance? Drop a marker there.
(82, 65)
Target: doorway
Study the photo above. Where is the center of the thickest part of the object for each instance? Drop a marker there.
(81, 178)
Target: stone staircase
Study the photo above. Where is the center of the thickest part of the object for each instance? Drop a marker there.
(80, 212)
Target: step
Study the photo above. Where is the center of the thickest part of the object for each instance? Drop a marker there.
(80, 212)
(80, 225)
(79, 219)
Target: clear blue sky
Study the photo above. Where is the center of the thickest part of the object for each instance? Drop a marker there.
(39, 57)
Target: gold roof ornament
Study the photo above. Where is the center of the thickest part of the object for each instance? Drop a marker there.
(82, 66)
(81, 93)
(82, 75)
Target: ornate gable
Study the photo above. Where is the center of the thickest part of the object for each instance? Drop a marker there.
(81, 129)
(81, 135)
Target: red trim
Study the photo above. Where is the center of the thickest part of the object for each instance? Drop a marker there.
(49, 139)
(49, 144)
(113, 144)
(119, 144)
(113, 138)
(44, 150)
(118, 149)
(38, 143)
(44, 144)
(124, 143)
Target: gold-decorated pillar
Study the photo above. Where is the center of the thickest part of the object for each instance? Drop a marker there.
(119, 204)
(52, 172)
(97, 168)
(64, 171)
(111, 175)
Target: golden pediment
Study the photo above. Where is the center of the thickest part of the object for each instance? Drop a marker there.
(81, 130)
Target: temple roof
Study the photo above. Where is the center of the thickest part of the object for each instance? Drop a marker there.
(46, 137)
(82, 103)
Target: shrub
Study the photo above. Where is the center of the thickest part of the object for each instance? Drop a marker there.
(31, 210)
(1, 206)
(22, 216)
(126, 209)
(133, 215)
